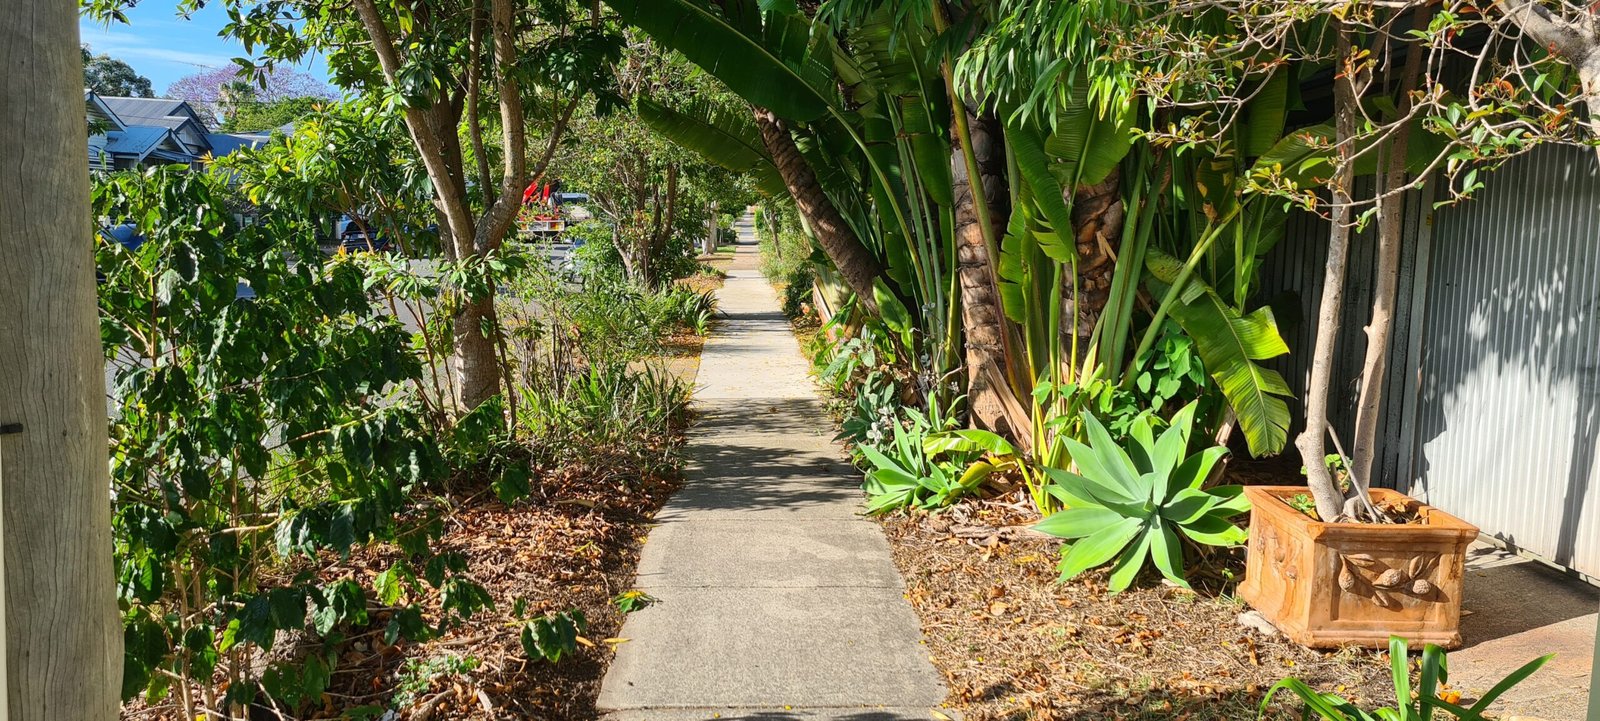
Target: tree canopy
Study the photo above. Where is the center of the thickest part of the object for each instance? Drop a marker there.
(106, 75)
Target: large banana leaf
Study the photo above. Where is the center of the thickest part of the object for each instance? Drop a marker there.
(721, 136)
(1262, 124)
(1033, 164)
(1230, 344)
(1087, 143)
(774, 62)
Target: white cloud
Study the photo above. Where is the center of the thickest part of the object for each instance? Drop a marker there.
(132, 46)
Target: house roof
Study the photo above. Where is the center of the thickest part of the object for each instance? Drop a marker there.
(136, 140)
(142, 142)
(148, 111)
(225, 143)
(99, 111)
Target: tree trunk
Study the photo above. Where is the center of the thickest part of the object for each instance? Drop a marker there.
(1380, 329)
(982, 321)
(62, 641)
(855, 262)
(1312, 441)
(1576, 40)
(1097, 217)
(434, 131)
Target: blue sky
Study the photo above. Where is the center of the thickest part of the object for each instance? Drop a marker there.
(162, 46)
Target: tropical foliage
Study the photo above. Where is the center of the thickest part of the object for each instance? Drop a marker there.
(1131, 504)
(1431, 695)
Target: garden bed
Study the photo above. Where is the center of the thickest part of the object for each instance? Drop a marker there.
(1013, 643)
(573, 545)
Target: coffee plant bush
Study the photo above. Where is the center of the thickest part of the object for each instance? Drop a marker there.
(257, 437)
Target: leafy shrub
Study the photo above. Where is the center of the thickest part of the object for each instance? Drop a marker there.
(1130, 504)
(677, 307)
(1431, 692)
(797, 291)
(255, 440)
(903, 474)
(605, 413)
(553, 636)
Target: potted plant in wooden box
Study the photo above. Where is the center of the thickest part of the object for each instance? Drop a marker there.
(1332, 584)
(1336, 562)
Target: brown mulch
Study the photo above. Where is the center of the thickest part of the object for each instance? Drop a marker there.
(1014, 643)
(573, 545)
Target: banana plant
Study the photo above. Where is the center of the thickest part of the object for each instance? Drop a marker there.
(1230, 345)
(995, 455)
(902, 473)
(1128, 505)
(871, 123)
(720, 135)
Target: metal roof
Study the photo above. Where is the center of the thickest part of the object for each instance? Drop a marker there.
(140, 110)
(225, 143)
(136, 140)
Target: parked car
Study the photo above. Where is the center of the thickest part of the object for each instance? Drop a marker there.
(125, 234)
(357, 237)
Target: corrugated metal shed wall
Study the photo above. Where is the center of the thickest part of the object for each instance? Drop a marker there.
(1510, 408)
(1493, 401)
(1292, 278)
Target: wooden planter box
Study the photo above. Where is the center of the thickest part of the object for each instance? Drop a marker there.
(1326, 585)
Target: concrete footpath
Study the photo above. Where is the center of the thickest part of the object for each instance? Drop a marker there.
(776, 600)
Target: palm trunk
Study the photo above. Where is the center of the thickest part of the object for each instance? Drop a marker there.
(60, 640)
(982, 321)
(1097, 217)
(856, 263)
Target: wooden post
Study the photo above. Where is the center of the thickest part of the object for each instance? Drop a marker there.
(63, 640)
(711, 230)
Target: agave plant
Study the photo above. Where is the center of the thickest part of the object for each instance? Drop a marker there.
(1129, 505)
(905, 474)
(1432, 692)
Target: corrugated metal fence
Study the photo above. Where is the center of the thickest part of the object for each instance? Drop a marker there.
(1492, 405)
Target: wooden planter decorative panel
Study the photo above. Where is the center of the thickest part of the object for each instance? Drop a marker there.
(1335, 584)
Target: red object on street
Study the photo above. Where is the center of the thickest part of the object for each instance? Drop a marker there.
(527, 194)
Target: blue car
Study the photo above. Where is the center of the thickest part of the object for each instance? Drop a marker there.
(125, 234)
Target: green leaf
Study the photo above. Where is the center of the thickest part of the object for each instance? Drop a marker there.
(1132, 559)
(1301, 157)
(890, 309)
(1400, 672)
(1104, 460)
(1188, 506)
(1028, 148)
(1078, 522)
(1263, 121)
(970, 440)
(1195, 469)
(1213, 530)
(1233, 501)
(1167, 552)
(1097, 549)
(1515, 677)
(719, 135)
(387, 586)
(773, 64)
(1088, 143)
(1230, 344)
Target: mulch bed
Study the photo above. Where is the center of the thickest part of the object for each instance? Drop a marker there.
(574, 545)
(1014, 643)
